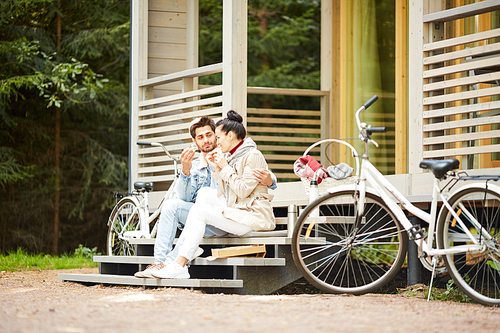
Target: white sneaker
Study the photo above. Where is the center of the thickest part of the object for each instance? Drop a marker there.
(199, 252)
(150, 269)
(172, 270)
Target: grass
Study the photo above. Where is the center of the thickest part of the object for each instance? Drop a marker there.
(449, 293)
(18, 260)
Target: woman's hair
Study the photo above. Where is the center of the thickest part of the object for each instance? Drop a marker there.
(233, 122)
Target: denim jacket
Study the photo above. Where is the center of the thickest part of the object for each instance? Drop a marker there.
(201, 175)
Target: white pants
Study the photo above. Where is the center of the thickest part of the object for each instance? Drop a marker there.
(207, 211)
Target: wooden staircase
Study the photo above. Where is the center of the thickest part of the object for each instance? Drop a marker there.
(239, 275)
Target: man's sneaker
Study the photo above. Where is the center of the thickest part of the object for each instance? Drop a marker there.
(150, 269)
(172, 270)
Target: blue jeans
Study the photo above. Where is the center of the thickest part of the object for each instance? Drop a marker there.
(173, 215)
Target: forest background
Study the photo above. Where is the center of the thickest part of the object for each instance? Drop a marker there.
(64, 114)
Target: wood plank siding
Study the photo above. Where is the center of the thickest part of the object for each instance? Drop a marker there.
(457, 105)
(166, 41)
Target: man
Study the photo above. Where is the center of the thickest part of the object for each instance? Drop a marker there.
(195, 174)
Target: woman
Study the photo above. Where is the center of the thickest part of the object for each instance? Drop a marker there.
(248, 204)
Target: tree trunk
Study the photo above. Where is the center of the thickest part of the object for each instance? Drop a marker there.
(55, 243)
(57, 156)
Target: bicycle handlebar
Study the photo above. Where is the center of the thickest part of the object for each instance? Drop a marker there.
(370, 101)
(154, 144)
(371, 130)
(157, 144)
(361, 109)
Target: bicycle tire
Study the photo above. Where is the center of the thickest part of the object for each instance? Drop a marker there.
(476, 274)
(124, 217)
(341, 262)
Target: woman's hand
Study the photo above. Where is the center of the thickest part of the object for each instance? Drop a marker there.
(263, 176)
(216, 159)
(210, 159)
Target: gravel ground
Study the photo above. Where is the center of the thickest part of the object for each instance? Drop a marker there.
(35, 301)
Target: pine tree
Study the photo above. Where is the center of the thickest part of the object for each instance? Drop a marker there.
(63, 119)
(283, 46)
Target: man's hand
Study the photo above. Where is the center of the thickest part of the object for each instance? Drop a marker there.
(263, 176)
(187, 160)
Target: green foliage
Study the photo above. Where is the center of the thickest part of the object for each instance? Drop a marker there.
(451, 293)
(85, 252)
(10, 170)
(85, 74)
(55, 81)
(378, 254)
(20, 260)
(283, 47)
(494, 264)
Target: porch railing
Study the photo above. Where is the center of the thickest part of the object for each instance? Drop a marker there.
(166, 120)
(282, 135)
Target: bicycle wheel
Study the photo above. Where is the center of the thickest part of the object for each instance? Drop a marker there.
(477, 274)
(338, 259)
(124, 218)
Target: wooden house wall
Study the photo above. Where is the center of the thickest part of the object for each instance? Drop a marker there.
(166, 41)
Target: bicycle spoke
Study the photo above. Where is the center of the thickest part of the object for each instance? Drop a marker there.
(349, 259)
(124, 219)
(476, 273)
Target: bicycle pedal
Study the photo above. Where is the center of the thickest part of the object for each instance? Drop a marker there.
(415, 232)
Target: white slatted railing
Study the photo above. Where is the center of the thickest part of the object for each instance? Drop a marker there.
(166, 119)
(462, 88)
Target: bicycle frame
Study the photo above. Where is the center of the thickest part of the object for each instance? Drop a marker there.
(142, 205)
(383, 188)
(352, 240)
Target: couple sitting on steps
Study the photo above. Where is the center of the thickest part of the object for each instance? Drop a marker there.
(224, 191)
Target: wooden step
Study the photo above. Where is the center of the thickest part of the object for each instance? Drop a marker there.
(234, 261)
(226, 241)
(133, 281)
(240, 275)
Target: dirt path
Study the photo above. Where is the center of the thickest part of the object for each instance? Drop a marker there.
(36, 301)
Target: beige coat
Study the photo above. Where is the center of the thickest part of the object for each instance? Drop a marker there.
(248, 201)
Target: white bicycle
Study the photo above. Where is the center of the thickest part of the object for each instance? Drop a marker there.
(130, 217)
(354, 239)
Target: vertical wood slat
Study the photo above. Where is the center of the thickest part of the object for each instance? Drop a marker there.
(401, 87)
(234, 56)
(138, 72)
(326, 76)
(418, 36)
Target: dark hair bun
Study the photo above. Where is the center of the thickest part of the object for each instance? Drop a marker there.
(233, 115)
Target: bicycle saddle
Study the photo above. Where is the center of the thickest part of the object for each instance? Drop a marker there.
(141, 186)
(440, 167)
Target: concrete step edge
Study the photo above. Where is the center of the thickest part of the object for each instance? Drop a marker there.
(133, 281)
